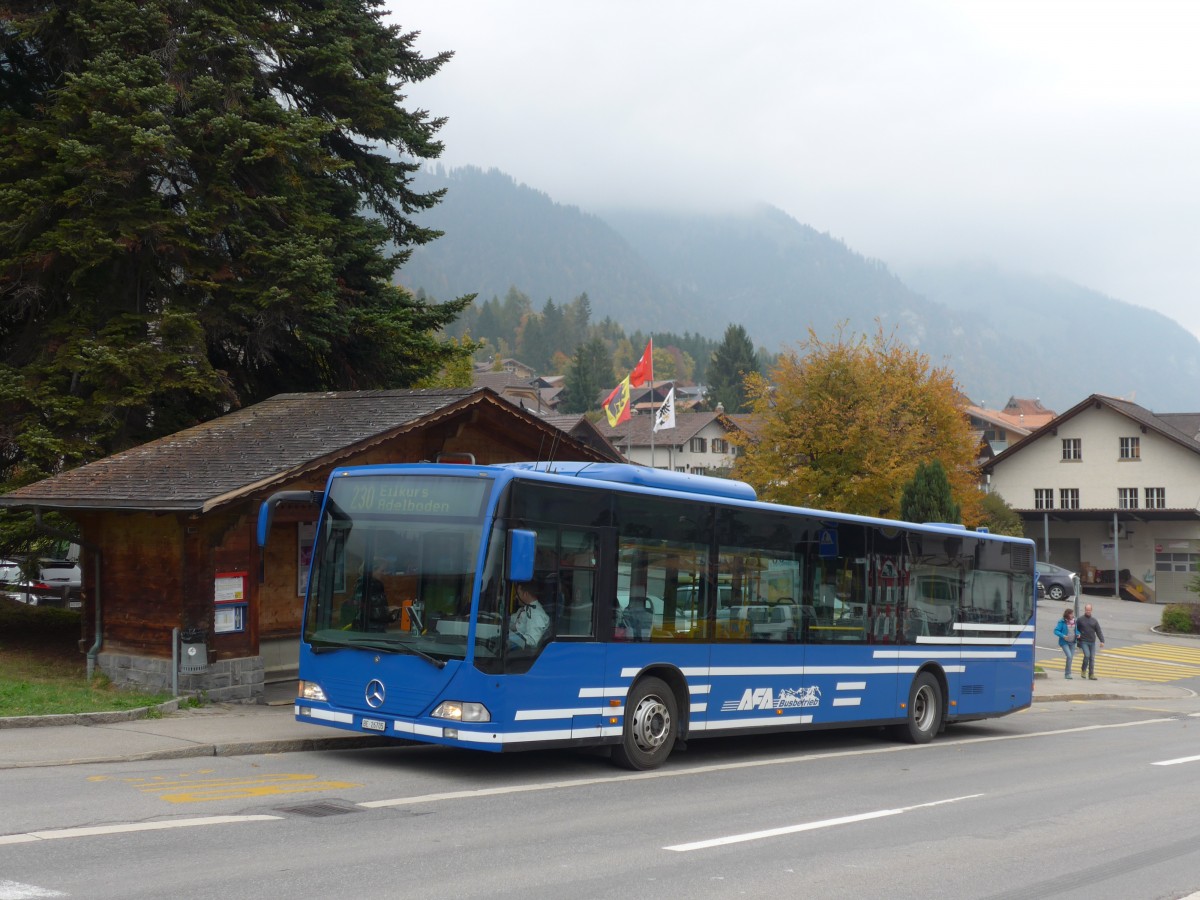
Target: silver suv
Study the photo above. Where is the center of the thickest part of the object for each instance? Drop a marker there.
(59, 583)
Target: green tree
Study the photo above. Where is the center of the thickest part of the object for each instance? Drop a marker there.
(459, 372)
(589, 373)
(731, 362)
(999, 517)
(488, 327)
(577, 318)
(202, 205)
(839, 424)
(512, 312)
(531, 342)
(926, 496)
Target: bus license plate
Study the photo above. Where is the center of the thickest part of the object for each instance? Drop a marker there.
(374, 724)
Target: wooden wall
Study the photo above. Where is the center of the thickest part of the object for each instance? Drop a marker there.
(158, 569)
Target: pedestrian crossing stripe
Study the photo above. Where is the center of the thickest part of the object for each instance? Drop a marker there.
(1146, 662)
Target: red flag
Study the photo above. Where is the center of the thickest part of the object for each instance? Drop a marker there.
(643, 372)
(616, 404)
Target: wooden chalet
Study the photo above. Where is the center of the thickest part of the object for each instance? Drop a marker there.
(167, 529)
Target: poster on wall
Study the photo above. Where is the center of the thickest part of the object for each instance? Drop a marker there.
(229, 597)
(229, 587)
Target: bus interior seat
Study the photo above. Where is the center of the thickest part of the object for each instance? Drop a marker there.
(638, 617)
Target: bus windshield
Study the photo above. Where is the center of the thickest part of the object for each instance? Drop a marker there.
(395, 561)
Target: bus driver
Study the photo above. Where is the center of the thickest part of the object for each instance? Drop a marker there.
(529, 623)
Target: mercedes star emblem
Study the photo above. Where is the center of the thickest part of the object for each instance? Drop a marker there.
(375, 693)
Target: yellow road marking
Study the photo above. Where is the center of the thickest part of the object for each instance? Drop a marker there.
(191, 789)
(1148, 662)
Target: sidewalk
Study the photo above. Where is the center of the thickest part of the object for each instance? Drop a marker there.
(1052, 686)
(216, 730)
(238, 729)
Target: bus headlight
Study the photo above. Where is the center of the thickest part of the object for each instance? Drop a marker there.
(310, 690)
(461, 711)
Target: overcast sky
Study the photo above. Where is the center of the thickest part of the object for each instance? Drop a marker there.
(1049, 137)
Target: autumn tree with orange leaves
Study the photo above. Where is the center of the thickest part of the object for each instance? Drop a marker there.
(843, 424)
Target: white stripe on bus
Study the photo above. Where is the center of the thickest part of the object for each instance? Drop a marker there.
(526, 715)
(327, 715)
(978, 641)
(751, 723)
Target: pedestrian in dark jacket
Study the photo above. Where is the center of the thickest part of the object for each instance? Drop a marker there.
(1090, 632)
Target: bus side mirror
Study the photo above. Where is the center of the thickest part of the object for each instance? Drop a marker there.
(266, 512)
(522, 544)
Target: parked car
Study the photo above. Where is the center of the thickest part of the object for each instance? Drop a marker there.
(10, 571)
(1057, 582)
(58, 583)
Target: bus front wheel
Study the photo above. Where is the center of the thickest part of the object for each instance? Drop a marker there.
(651, 725)
(924, 710)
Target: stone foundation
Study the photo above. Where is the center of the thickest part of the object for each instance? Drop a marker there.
(226, 680)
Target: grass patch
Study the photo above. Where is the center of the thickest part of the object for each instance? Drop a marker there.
(42, 671)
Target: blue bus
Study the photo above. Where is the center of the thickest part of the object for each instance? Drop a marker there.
(665, 606)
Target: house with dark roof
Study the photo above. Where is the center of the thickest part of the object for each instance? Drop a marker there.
(167, 529)
(522, 392)
(1111, 490)
(586, 432)
(698, 443)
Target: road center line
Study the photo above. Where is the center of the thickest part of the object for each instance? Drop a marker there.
(809, 826)
(1175, 762)
(93, 830)
(728, 767)
(15, 890)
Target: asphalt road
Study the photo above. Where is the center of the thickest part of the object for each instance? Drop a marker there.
(1085, 799)
(1065, 800)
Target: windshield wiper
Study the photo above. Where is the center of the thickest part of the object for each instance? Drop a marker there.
(386, 647)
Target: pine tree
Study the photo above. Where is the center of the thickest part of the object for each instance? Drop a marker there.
(926, 497)
(202, 205)
(589, 374)
(731, 362)
(577, 319)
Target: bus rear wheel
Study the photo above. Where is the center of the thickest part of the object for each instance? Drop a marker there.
(651, 726)
(924, 710)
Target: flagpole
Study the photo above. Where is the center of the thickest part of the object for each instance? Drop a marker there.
(652, 401)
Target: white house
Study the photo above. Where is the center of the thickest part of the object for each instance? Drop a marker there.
(698, 443)
(1109, 486)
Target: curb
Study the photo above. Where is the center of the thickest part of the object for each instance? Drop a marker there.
(234, 749)
(1079, 697)
(93, 718)
(238, 748)
(1156, 629)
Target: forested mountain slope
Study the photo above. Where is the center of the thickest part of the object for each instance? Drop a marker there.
(1003, 334)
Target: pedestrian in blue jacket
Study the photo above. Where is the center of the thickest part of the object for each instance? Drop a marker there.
(1065, 629)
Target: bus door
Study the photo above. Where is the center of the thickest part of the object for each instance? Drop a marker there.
(848, 629)
(660, 615)
(561, 670)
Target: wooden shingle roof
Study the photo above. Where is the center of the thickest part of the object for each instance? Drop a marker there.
(255, 448)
